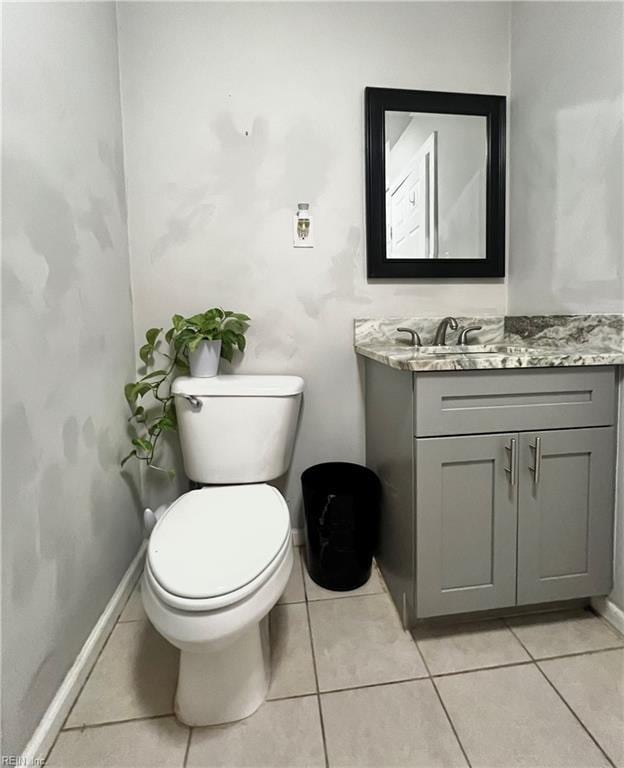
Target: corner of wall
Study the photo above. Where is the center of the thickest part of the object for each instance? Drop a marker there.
(127, 207)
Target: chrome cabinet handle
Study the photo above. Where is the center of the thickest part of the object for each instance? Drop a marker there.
(537, 460)
(513, 461)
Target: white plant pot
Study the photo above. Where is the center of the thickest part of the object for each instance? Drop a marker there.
(204, 361)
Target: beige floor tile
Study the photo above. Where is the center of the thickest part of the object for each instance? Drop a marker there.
(292, 666)
(280, 734)
(457, 647)
(389, 725)
(373, 586)
(593, 685)
(159, 743)
(134, 610)
(134, 677)
(555, 634)
(361, 642)
(512, 718)
(294, 592)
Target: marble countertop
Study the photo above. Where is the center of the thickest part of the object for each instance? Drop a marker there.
(529, 341)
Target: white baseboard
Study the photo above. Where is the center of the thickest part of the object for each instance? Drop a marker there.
(609, 611)
(54, 717)
(297, 537)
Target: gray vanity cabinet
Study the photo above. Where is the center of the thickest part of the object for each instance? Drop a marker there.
(498, 486)
(466, 526)
(565, 514)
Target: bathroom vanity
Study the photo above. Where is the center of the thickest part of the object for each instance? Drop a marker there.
(497, 463)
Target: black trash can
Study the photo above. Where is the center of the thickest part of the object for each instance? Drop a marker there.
(341, 503)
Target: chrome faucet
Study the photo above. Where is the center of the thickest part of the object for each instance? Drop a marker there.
(416, 342)
(439, 339)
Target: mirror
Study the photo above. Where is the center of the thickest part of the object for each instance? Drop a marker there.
(435, 185)
(435, 171)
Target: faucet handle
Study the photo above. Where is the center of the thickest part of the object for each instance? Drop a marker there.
(416, 342)
(463, 334)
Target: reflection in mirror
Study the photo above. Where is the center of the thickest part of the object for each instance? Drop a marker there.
(435, 185)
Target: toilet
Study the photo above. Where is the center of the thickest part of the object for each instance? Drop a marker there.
(219, 557)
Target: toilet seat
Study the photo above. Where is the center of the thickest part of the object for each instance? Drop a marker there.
(215, 546)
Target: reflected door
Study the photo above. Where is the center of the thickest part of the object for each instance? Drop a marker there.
(411, 208)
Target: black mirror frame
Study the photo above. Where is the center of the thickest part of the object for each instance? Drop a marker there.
(494, 108)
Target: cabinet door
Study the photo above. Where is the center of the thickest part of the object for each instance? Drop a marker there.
(466, 515)
(565, 514)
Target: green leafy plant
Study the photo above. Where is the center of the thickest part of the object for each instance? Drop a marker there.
(214, 325)
(150, 399)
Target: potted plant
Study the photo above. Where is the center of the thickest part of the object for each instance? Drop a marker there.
(207, 337)
(189, 345)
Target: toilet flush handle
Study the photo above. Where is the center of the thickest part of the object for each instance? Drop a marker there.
(193, 401)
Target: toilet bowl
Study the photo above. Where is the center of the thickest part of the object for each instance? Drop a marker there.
(220, 557)
(218, 561)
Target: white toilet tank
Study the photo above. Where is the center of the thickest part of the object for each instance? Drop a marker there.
(237, 429)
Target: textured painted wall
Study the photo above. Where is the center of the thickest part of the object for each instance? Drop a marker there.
(567, 160)
(70, 524)
(567, 74)
(235, 112)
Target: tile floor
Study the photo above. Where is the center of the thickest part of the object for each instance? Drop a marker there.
(351, 688)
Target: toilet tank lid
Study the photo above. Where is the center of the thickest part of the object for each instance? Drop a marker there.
(239, 385)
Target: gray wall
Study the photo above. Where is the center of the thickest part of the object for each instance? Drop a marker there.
(235, 112)
(567, 159)
(69, 524)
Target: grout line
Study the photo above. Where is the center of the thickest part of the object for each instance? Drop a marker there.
(562, 655)
(188, 747)
(293, 696)
(576, 717)
(136, 587)
(451, 723)
(107, 723)
(290, 602)
(498, 614)
(341, 595)
(483, 669)
(572, 654)
(437, 675)
(375, 685)
(511, 629)
(320, 711)
(442, 704)
(565, 703)
(607, 624)
(131, 621)
(344, 596)
(83, 686)
(318, 695)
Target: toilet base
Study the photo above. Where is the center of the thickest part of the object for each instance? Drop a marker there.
(228, 684)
